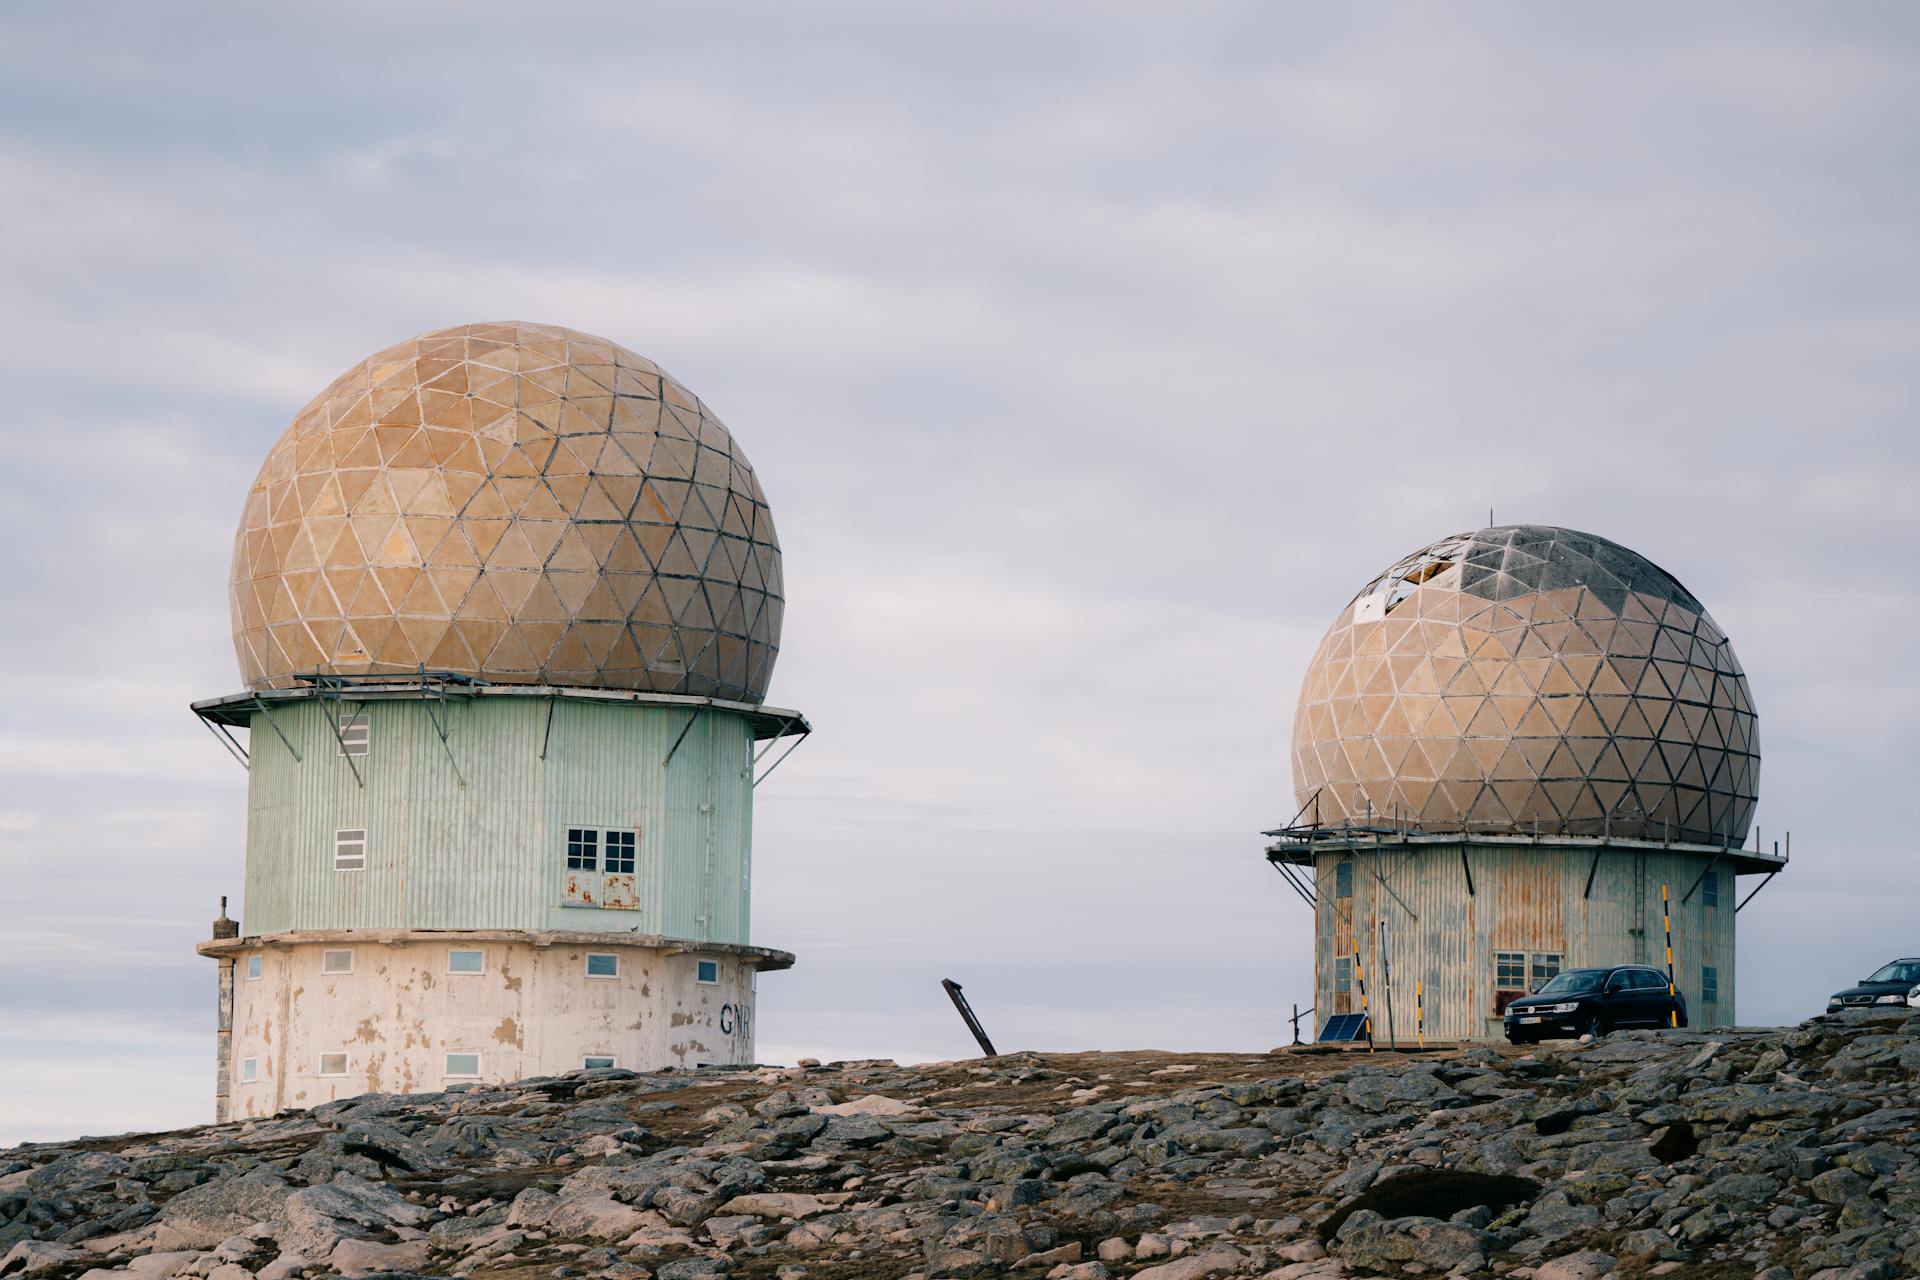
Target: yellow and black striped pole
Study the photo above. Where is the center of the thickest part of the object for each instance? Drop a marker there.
(1366, 1017)
(1419, 1013)
(1666, 914)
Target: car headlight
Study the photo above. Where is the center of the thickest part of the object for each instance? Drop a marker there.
(1568, 1007)
(1893, 999)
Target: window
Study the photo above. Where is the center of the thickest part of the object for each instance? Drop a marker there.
(466, 961)
(1510, 970)
(707, 971)
(1710, 889)
(583, 849)
(333, 1064)
(250, 1070)
(253, 967)
(463, 1064)
(1343, 880)
(354, 735)
(350, 850)
(1710, 985)
(603, 964)
(336, 962)
(593, 1062)
(1342, 973)
(620, 852)
(1649, 980)
(1546, 967)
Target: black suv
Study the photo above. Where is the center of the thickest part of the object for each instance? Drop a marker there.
(1592, 1002)
(1894, 984)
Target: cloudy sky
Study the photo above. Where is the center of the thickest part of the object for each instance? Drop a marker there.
(1091, 357)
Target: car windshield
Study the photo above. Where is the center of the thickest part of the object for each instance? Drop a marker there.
(1898, 971)
(1574, 982)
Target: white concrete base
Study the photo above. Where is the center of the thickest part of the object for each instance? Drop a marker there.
(403, 1019)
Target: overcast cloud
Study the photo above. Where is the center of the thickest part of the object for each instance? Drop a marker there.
(1091, 357)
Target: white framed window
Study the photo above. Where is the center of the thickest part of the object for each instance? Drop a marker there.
(253, 967)
(1546, 966)
(707, 971)
(583, 849)
(1343, 973)
(333, 1064)
(594, 1060)
(620, 848)
(350, 849)
(466, 961)
(603, 964)
(354, 735)
(338, 961)
(461, 1065)
(1510, 970)
(250, 1070)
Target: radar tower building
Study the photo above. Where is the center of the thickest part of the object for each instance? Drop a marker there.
(1510, 747)
(506, 599)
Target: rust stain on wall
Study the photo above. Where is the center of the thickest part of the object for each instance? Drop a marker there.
(508, 1032)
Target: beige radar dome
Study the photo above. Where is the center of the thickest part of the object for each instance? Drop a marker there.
(517, 502)
(1528, 679)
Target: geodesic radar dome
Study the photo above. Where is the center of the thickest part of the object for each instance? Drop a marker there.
(517, 502)
(1528, 679)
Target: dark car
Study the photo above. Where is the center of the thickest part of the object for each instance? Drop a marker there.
(1592, 1002)
(1893, 984)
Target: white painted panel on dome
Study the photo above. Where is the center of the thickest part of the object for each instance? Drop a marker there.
(1371, 608)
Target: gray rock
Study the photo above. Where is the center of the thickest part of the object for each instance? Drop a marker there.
(1588, 1264)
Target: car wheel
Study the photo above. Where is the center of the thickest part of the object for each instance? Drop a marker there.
(1594, 1026)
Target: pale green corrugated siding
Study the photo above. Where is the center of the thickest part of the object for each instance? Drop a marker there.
(492, 853)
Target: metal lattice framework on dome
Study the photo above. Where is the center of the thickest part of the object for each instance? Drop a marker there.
(1528, 679)
(517, 502)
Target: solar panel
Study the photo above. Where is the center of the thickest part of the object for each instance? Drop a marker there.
(1343, 1027)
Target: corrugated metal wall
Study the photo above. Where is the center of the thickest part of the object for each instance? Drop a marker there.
(492, 853)
(1526, 899)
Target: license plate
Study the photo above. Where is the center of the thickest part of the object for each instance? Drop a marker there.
(1525, 1021)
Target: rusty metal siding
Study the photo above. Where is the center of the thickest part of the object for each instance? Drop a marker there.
(1527, 899)
(492, 853)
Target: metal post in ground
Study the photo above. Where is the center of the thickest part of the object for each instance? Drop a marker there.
(1666, 914)
(1419, 1013)
(1366, 1017)
(1386, 972)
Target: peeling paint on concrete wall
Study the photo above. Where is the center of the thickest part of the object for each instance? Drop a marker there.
(390, 1023)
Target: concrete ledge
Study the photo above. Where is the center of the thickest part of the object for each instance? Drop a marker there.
(765, 959)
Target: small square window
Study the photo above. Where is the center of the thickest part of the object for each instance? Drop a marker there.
(1710, 985)
(620, 852)
(253, 967)
(250, 1070)
(466, 961)
(1343, 879)
(333, 1064)
(350, 850)
(707, 971)
(1510, 970)
(463, 1064)
(603, 964)
(1710, 889)
(594, 1062)
(1546, 966)
(354, 735)
(1342, 973)
(336, 961)
(583, 849)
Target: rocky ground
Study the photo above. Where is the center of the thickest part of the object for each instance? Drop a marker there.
(1770, 1153)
